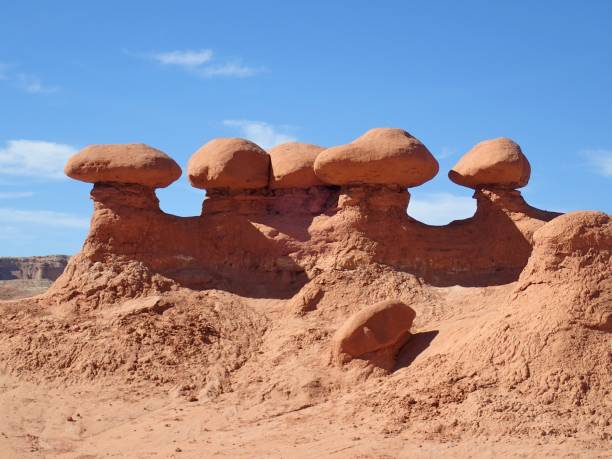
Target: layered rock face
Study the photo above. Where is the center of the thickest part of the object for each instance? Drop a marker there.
(22, 277)
(32, 268)
(270, 223)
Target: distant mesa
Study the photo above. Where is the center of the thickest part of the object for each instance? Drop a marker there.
(381, 156)
(498, 163)
(123, 163)
(229, 163)
(293, 165)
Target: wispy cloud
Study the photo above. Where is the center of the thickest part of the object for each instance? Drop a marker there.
(203, 64)
(440, 208)
(16, 194)
(11, 216)
(4, 68)
(600, 161)
(33, 84)
(24, 81)
(186, 58)
(446, 152)
(229, 69)
(263, 134)
(33, 158)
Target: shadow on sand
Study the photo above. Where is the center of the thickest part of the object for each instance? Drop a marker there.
(417, 343)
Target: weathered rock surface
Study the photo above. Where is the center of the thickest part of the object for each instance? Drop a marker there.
(293, 165)
(229, 163)
(129, 163)
(382, 156)
(498, 163)
(375, 333)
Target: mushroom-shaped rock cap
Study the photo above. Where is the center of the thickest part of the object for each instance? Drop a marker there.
(499, 163)
(124, 163)
(293, 165)
(382, 156)
(229, 163)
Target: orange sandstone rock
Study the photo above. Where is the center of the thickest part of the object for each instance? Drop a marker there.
(229, 163)
(383, 156)
(293, 165)
(498, 163)
(382, 328)
(576, 231)
(124, 163)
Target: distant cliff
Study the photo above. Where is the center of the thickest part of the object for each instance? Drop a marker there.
(33, 268)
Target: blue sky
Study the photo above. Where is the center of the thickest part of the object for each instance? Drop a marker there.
(177, 74)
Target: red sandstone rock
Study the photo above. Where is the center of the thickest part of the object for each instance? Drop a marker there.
(382, 156)
(572, 259)
(129, 163)
(293, 165)
(229, 163)
(496, 163)
(380, 328)
(576, 231)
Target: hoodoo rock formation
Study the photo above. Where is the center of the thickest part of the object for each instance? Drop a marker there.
(495, 325)
(258, 240)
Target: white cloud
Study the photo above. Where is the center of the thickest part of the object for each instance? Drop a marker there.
(440, 208)
(4, 71)
(32, 84)
(15, 194)
(184, 58)
(24, 81)
(263, 134)
(34, 158)
(201, 63)
(9, 216)
(232, 69)
(446, 152)
(601, 161)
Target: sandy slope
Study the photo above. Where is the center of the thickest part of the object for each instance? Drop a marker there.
(258, 418)
(110, 424)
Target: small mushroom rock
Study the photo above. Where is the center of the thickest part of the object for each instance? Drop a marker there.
(293, 165)
(375, 333)
(382, 156)
(229, 163)
(123, 163)
(498, 163)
